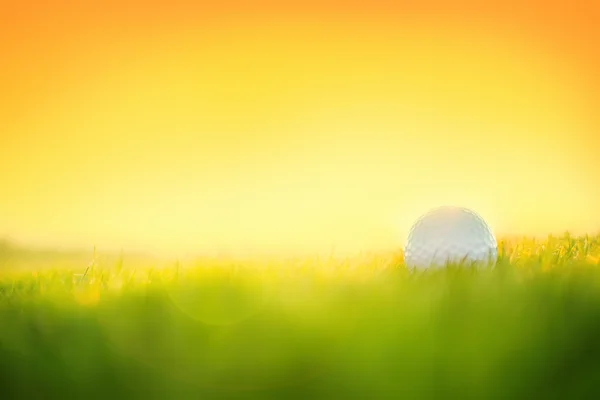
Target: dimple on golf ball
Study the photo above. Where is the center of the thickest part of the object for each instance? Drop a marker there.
(450, 235)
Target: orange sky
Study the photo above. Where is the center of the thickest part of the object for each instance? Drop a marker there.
(275, 126)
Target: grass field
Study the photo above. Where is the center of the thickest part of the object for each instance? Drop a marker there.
(361, 327)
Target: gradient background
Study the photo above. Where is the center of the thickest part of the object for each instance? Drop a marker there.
(272, 126)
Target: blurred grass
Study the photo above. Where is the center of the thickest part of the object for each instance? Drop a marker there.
(361, 327)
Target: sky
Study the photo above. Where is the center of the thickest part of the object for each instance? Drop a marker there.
(265, 126)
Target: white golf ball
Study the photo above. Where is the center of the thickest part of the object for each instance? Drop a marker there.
(450, 235)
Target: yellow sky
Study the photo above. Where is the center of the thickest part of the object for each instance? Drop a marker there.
(291, 136)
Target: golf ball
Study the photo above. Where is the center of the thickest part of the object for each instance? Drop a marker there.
(450, 235)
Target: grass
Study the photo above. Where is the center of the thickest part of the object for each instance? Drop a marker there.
(361, 327)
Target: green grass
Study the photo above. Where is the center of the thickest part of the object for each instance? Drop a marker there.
(361, 327)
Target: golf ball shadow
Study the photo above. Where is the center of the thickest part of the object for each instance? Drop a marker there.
(218, 297)
(212, 332)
